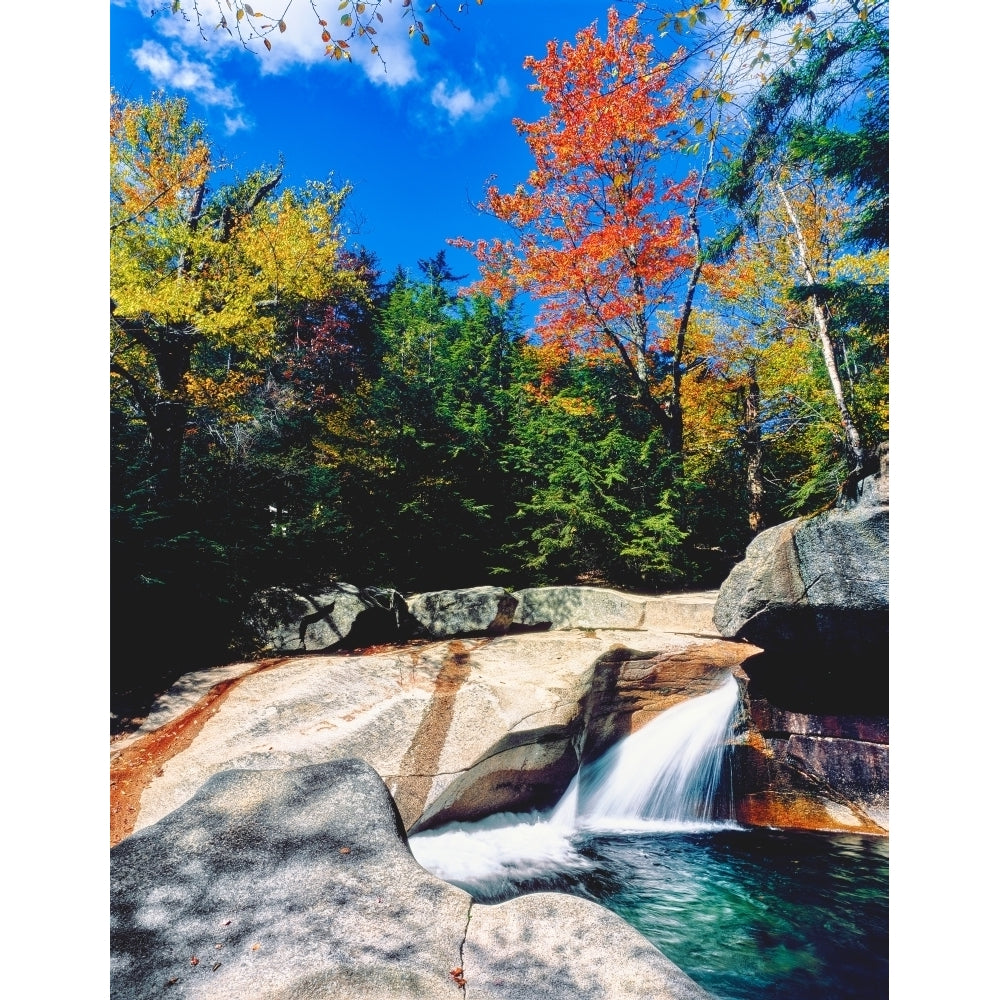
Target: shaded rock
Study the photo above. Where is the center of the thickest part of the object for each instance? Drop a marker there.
(527, 770)
(858, 771)
(838, 762)
(818, 586)
(474, 611)
(343, 617)
(299, 884)
(305, 880)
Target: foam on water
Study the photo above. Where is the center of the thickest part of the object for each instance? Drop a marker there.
(499, 851)
(661, 779)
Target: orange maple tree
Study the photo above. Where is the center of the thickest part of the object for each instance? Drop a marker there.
(604, 237)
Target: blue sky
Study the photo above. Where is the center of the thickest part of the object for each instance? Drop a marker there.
(417, 141)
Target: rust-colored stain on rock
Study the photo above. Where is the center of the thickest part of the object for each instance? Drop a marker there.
(420, 762)
(797, 812)
(141, 761)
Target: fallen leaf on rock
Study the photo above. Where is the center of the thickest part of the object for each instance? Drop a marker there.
(255, 947)
(170, 982)
(194, 960)
(218, 946)
(217, 965)
(345, 850)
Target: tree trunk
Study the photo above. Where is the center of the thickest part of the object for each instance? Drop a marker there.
(172, 351)
(753, 449)
(166, 430)
(855, 449)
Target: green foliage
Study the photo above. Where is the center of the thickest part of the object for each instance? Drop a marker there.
(589, 474)
(654, 550)
(418, 448)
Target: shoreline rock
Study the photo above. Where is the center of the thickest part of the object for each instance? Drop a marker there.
(294, 884)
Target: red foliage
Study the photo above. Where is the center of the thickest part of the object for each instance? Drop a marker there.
(602, 239)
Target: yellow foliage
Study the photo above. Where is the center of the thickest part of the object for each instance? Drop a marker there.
(221, 395)
(212, 269)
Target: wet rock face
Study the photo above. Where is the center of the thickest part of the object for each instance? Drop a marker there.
(812, 772)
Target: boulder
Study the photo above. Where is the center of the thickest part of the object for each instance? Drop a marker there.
(292, 884)
(342, 617)
(599, 607)
(817, 587)
(444, 614)
(349, 617)
(548, 946)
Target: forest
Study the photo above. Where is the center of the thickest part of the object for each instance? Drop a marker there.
(683, 341)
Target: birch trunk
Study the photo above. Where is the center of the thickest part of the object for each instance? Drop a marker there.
(820, 316)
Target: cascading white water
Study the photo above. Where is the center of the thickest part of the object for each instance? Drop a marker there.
(663, 777)
(667, 772)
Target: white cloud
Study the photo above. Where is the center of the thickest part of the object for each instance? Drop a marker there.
(396, 48)
(236, 123)
(181, 73)
(459, 102)
(300, 44)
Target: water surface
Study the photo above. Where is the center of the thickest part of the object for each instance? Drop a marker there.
(746, 913)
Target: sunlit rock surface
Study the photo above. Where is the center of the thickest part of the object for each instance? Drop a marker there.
(424, 716)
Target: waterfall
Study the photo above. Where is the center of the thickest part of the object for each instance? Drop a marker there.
(663, 777)
(666, 773)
